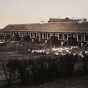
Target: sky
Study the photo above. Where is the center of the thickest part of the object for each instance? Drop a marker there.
(35, 11)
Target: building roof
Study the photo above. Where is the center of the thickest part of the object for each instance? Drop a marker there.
(51, 26)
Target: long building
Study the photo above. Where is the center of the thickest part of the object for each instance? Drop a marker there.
(65, 29)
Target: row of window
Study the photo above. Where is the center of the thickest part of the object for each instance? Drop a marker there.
(44, 35)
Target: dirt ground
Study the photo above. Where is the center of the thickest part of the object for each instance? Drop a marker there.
(74, 82)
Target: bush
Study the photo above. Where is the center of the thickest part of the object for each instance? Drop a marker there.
(44, 68)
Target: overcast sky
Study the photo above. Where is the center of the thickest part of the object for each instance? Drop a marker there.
(27, 11)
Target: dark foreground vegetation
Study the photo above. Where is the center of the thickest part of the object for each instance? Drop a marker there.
(45, 69)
